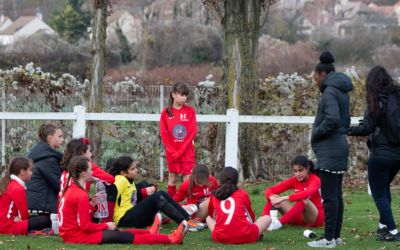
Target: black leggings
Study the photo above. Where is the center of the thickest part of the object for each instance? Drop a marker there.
(332, 194)
(142, 215)
(115, 236)
(139, 186)
(39, 222)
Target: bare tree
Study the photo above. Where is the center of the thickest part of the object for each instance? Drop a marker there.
(241, 22)
(97, 71)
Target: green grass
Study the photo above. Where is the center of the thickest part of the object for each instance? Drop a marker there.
(359, 222)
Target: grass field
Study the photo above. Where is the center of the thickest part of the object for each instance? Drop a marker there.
(359, 223)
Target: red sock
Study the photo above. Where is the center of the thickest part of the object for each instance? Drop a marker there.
(267, 208)
(151, 239)
(293, 213)
(136, 231)
(171, 190)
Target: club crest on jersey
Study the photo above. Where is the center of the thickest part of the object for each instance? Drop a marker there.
(179, 132)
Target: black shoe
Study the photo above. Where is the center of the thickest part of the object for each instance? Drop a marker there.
(389, 237)
(381, 232)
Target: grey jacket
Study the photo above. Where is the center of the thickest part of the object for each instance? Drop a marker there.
(332, 123)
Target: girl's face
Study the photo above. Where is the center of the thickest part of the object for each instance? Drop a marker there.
(88, 154)
(56, 140)
(25, 175)
(319, 77)
(179, 99)
(131, 172)
(198, 183)
(300, 172)
(88, 172)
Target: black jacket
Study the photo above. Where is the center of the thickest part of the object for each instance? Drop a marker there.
(332, 123)
(43, 188)
(374, 126)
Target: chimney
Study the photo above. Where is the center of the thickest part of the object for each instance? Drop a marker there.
(39, 14)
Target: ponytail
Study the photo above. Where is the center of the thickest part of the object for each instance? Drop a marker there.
(228, 183)
(5, 180)
(179, 88)
(17, 164)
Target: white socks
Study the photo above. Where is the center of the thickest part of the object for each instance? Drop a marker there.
(275, 225)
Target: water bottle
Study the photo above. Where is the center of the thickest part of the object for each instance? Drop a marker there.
(102, 206)
(309, 234)
(54, 223)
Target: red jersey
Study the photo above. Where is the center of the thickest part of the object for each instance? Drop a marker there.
(178, 132)
(302, 190)
(98, 174)
(13, 204)
(234, 219)
(198, 192)
(75, 222)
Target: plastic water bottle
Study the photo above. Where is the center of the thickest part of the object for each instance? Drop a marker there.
(309, 234)
(54, 223)
(102, 206)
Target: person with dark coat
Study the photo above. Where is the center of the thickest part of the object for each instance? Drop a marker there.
(44, 186)
(329, 143)
(384, 157)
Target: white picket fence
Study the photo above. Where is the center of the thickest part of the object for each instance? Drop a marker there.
(232, 119)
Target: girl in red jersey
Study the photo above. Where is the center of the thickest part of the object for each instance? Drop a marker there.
(197, 189)
(75, 219)
(308, 209)
(81, 147)
(231, 219)
(177, 130)
(14, 215)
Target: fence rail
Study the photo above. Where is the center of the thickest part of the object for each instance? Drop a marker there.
(232, 119)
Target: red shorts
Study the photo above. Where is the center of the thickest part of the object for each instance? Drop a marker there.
(15, 228)
(184, 167)
(319, 221)
(250, 236)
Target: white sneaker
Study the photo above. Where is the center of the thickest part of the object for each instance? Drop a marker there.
(275, 225)
(339, 241)
(322, 243)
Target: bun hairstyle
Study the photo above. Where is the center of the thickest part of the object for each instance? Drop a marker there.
(228, 180)
(326, 63)
(303, 161)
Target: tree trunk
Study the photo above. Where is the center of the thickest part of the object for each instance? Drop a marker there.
(97, 72)
(241, 26)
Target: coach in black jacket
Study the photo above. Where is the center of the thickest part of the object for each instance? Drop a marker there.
(329, 143)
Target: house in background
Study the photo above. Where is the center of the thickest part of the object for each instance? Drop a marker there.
(24, 27)
(5, 22)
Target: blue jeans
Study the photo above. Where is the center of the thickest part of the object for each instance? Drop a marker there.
(381, 173)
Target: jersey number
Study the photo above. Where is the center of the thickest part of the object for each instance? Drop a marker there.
(229, 211)
(60, 212)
